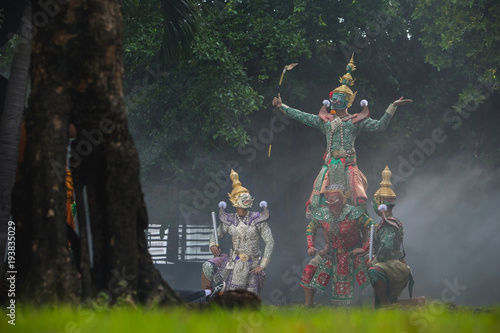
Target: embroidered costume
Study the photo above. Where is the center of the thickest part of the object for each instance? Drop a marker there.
(234, 268)
(389, 266)
(341, 133)
(347, 230)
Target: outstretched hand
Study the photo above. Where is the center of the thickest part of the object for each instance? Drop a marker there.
(277, 101)
(402, 101)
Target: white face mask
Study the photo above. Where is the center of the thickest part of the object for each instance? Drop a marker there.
(245, 201)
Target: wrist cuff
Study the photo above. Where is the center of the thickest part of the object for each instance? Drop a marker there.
(264, 263)
(391, 109)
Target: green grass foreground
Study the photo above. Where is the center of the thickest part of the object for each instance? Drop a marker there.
(289, 318)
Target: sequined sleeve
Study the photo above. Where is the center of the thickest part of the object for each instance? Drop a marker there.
(267, 237)
(222, 230)
(306, 118)
(365, 221)
(372, 125)
(311, 231)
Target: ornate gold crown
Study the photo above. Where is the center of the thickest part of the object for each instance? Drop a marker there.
(347, 81)
(385, 194)
(237, 188)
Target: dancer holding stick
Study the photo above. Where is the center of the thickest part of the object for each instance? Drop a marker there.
(389, 272)
(243, 267)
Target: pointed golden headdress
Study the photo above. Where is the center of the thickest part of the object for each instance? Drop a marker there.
(237, 188)
(347, 81)
(385, 194)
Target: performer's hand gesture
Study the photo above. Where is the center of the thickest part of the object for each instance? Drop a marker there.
(311, 251)
(402, 101)
(358, 251)
(215, 250)
(277, 101)
(257, 269)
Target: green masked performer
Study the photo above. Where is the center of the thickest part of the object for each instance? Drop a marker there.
(389, 273)
(341, 130)
(243, 267)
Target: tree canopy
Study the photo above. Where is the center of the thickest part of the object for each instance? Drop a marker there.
(217, 97)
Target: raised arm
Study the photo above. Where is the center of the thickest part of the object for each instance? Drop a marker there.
(306, 118)
(372, 125)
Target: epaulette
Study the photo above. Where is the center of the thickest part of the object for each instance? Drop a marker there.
(365, 113)
(255, 217)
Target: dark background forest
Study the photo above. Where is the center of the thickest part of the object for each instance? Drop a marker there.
(197, 114)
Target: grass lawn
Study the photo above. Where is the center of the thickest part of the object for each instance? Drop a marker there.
(434, 317)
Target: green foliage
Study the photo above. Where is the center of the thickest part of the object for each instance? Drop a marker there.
(461, 39)
(188, 112)
(202, 105)
(463, 34)
(6, 55)
(143, 28)
(180, 28)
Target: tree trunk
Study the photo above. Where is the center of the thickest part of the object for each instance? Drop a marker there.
(77, 78)
(10, 126)
(52, 276)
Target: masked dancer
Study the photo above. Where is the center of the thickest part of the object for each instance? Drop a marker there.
(343, 260)
(341, 130)
(243, 267)
(389, 273)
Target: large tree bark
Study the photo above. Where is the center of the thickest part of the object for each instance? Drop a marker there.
(77, 78)
(51, 276)
(10, 126)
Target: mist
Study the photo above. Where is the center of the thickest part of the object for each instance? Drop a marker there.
(452, 234)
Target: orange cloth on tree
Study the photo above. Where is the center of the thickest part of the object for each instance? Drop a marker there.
(69, 199)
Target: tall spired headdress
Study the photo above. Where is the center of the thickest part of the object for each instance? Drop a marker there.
(347, 81)
(237, 188)
(385, 195)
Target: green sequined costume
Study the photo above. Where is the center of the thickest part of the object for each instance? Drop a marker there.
(389, 265)
(338, 268)
(341, 135)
